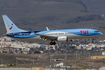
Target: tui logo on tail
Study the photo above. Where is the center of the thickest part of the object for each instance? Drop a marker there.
(11, 27)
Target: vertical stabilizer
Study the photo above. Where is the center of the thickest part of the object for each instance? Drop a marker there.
(10, 26)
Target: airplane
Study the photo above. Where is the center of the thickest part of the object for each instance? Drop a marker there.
(64, 35)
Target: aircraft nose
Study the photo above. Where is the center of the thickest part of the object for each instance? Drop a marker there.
(100, 33)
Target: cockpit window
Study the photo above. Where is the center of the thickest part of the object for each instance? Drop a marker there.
(96, 31)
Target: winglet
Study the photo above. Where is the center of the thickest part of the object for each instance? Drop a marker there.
(31, 30)
(47, 28)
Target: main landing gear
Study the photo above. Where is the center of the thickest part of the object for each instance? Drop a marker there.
(52, 43)
(93, 40)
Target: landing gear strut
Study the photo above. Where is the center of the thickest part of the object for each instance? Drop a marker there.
(93, 40)
(52, 43)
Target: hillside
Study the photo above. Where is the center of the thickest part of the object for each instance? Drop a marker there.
(95, 6)
(56, 14)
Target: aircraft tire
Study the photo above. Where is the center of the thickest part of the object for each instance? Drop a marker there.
(52, 43)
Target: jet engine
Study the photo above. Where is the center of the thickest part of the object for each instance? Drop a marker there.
(62, 39)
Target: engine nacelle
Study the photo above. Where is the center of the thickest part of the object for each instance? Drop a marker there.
(62, 39)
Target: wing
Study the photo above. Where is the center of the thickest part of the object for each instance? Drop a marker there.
(48, 38)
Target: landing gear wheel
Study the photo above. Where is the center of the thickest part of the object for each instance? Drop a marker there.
(52, 43)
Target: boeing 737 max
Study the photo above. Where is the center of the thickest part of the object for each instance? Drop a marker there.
(65, 35)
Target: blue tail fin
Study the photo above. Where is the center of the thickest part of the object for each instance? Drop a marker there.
(10, 26)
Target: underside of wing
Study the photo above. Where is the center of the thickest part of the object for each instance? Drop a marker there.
(48, 38)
